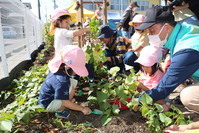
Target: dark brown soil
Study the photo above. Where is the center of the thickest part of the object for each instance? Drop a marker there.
(126, 122)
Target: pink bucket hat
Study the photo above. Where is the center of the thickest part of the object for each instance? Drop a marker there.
(58, 13)
(73, 57)
(137, 19)
(149, 55)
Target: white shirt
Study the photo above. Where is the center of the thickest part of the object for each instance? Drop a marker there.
(62, 38)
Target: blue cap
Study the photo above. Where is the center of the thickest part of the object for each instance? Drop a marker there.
(106, 32)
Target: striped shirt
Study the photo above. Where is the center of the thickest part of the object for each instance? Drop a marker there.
(116, 50)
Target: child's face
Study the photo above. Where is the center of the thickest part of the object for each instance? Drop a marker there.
(65, 23)
(135, 25)
(147, 70)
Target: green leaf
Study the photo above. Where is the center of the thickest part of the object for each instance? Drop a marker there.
(162, 117)
(120, 91)
(168, 121)
(159, 107)
(106, 120)
(118, 79)
(4, 116)
(104, 106)
(134, 102)
(129, 80)
(30, 84)
(115, 109)
(26, 118)
(6, 125)
(146, 99)
(108, 112)
(21, 100)
(101, 96)
(113, 71)
(144, 110)
(91, 98)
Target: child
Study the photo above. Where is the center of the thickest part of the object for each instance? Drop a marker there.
(58, 89)
(60, 28)
(140, 38)
(151, 73)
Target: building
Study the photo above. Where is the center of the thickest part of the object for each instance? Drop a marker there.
(121, 5)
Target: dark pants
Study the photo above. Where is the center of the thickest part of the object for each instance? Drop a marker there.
(129, 59)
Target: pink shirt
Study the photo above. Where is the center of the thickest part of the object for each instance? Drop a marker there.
(151, 81)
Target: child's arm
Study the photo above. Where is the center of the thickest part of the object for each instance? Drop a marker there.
(138, 48)
(73, 106)
(79, 32)
(127, 39)
(143, 41)
(142, 86)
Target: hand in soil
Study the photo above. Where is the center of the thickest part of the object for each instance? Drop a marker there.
(86, 111)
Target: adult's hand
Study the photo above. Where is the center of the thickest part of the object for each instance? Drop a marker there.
(176, 129)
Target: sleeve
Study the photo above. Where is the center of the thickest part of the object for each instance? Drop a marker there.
(125, 16)
(143, 41)
(184, 63)
(66, 33)
(121, 49)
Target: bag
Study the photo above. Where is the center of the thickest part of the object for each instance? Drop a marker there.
(122, 106)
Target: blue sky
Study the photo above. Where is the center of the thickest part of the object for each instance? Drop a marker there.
(47, 7)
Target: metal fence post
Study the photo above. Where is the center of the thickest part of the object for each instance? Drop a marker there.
(27, 40)
(2, 52)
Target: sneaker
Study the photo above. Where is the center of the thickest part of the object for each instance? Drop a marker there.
(63, 114)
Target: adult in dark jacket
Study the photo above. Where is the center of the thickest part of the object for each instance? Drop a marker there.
(116, 50)
(126, 18)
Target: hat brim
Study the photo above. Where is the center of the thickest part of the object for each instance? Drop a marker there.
(81, 71)
(137, 5)
(145, 26)
(131, 23)
(53, 19)
(145, 63)
(107, 35)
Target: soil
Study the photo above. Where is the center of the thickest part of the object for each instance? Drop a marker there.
(126, 122)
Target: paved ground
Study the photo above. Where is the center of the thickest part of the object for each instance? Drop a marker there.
(16, 52)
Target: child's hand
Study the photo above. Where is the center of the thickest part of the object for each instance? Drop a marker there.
(86, 111)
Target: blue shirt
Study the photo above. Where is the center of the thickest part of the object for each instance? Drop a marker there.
(56, 86)
(184, 48)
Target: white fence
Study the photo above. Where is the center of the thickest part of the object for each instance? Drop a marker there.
(20, 34)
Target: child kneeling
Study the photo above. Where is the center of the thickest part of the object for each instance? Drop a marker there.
(58, 89)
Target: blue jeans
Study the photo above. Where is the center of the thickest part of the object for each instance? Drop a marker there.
(126, 34)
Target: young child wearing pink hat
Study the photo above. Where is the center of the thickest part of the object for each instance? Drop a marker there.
(140, 38)
(60, 28)
(58, 89)
(151, 73)
(150, 70)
